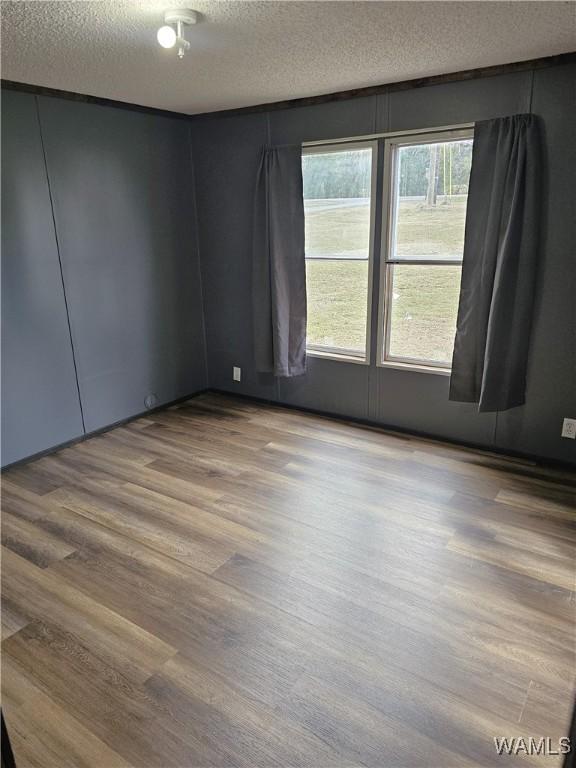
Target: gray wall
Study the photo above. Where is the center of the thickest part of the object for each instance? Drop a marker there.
(105, 294)
(128, 280)
(123, 199)
(40, 405)
(225, 151)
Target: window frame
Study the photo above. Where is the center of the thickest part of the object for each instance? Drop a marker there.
(387, 262)
(338, 353)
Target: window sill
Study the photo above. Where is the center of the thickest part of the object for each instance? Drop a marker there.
(415, 367)
(335, 356)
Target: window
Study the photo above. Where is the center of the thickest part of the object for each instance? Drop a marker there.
(338, 206)
(423, 239)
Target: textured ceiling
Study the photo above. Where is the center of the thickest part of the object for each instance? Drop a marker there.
(245, 53)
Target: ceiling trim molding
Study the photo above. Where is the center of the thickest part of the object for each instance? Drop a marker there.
(41, 90)
(402, 85)
(372, 90)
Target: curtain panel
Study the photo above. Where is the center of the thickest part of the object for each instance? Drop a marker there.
(501, 254)
(279, 267)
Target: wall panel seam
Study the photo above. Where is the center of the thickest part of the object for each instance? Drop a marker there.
(197, 228)
(52, 211)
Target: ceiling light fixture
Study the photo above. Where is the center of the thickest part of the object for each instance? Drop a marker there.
(168, 37)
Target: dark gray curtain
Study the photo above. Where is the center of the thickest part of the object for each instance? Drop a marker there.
(499, 268)
(279, 268)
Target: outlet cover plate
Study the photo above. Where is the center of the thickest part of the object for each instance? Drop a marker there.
(569, 428)
(237, 373)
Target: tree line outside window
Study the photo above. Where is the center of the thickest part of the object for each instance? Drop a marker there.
(430, 171)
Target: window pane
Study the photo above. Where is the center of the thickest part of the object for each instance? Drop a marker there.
(424, 305)
(337, 303)
(337, 203)
(431, 190)
(337, 188)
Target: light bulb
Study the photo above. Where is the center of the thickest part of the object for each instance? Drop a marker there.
(166, 37)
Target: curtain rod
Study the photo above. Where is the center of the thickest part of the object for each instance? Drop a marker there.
(389, 134)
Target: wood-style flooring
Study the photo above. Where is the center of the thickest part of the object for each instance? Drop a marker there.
(230, 584)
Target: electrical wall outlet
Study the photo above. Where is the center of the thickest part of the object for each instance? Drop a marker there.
(236, 373)
(569, 428)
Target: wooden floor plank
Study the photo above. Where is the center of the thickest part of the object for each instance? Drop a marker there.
(47, 597)
(224, 583)
(23, 537)
(45, 734)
